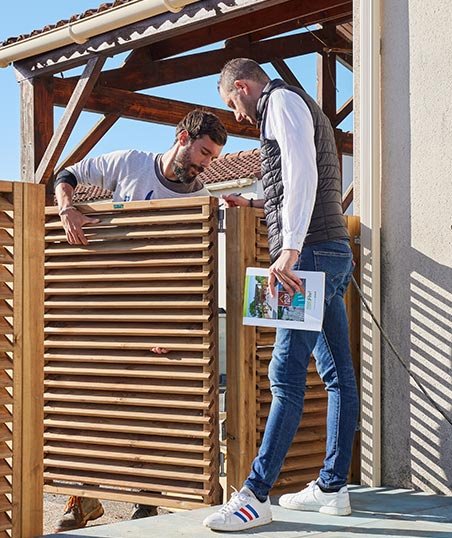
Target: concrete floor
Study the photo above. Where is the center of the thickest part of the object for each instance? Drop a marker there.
(377, 512)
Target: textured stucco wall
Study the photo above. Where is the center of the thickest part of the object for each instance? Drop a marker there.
(416, 241)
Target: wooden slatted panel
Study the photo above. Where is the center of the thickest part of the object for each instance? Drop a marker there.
(248, 360)
(122, 422)
(6, 354)
(21, 340)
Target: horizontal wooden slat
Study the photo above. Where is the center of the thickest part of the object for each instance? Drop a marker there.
(121, 454)
(137, 482)
(126, 400)
(121, 275)
(126, 304)
(131, 317)
(128, 373)
(135, 221)
(84, 410)
(125, 289)
(124, 247)
(109, 344)
(142, 442)
(137, 358)
(126, 387)
(122, 234)
(130, 261)
(120, 468)
(121, 427)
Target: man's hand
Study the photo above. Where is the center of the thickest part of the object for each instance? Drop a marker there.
(159, 350)
(281, 270)
(235, 200)
(73, 221)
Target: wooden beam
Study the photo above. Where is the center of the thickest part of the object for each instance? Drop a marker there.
(36, 124)
(326, 81)
(89, 141)
(285, 72)
(74, 108)
(344, 111)
(203, 23)
(192, 66)
(347, 198)
(344, 142)
(339, 14)
(143, 107)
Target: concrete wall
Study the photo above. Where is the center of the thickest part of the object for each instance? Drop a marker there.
(416, 240)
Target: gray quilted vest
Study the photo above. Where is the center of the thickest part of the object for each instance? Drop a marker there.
(327, 221)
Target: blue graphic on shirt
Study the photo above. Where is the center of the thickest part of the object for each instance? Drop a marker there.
(149, 195)
(127, 198)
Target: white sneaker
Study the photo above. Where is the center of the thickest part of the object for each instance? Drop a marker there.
(242, 511)
(314, 499)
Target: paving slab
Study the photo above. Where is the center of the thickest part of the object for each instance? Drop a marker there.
(377, 512)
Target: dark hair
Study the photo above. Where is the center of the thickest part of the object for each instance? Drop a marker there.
(199, 123)
(240, 69)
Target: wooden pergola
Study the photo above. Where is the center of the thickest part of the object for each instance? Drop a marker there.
(242, 28)
(269, 31)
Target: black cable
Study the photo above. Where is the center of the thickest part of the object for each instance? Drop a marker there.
(397, 354)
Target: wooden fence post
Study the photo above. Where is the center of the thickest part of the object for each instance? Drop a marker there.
(241, 348)
(28, 357)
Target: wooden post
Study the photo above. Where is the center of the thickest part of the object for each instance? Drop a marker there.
(326, 77)
(28, 361)
(353, 307)
(36, 124)
(241, 348)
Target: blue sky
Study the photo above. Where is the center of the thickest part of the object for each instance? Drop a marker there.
(23, 16)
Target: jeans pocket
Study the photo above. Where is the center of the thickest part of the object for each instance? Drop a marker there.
(337, 267)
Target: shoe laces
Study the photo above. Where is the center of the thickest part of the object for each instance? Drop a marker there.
(235, 503)
(72, 502)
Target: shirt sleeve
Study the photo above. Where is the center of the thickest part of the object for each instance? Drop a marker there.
(290, 123)
(103, 171)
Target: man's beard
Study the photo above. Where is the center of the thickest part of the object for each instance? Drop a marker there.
(184, 170)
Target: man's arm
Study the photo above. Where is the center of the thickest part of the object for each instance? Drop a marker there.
(289, 122)
(236, 200)
(71, 218)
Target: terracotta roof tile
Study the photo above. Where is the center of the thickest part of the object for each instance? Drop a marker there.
(103, 7)
(233, 166)
(225, 168)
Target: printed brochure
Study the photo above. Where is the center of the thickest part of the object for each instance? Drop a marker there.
(303, 311)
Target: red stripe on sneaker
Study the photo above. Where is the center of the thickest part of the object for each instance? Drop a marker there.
(246, 513)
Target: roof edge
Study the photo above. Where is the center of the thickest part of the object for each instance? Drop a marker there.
(82, 30)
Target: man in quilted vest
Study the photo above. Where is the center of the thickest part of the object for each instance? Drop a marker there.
(306, 230)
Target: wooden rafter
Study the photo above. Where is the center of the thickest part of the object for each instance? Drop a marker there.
(192, 66)
(90, 140)
(344, 111)
(170, 34)
(146, 107)
(285, 72)
(73, 110)
(326, 80)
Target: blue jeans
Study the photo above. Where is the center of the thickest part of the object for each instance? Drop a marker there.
(287, 374)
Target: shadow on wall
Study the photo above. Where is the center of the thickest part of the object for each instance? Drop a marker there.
(430, 333)
(416, 289)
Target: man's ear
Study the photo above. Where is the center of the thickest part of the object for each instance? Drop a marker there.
(183, 137)
(241, 85)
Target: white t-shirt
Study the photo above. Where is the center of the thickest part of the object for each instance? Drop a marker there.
(290, 123)
(132, 175)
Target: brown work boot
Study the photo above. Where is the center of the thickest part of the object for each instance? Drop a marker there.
(78, 511)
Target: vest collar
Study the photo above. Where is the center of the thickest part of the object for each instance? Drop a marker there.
(265, 95)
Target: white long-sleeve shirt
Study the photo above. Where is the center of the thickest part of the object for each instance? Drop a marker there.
(289, 122)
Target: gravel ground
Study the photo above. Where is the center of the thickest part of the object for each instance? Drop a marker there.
(114, 512)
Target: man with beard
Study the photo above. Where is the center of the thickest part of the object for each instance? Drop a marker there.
(137, 175)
